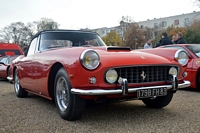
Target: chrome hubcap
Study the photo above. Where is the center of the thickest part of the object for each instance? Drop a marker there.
(62, 93)
(16, 83)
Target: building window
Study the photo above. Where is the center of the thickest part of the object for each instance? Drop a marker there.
(176, 22)
(142, 26)
(103, 32)
(155, 25)
(186, 20)
(164, 24)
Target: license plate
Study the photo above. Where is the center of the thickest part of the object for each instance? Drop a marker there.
(145, 93)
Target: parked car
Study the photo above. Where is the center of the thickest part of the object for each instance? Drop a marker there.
(74, 66)
(193, 67)
(7, 49)
(5, 62)
(8, 52)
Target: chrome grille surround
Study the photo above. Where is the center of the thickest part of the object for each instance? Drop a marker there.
(145, 74)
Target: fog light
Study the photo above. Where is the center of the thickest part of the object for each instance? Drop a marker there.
(111, 76)
(184, 74)
(173, 71)
(93, 80)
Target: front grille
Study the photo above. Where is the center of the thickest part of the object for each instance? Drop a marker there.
(142, 74)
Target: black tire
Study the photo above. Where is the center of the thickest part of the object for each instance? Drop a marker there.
(198, 80)
(158, 102)
(19, 91)
(70, 106)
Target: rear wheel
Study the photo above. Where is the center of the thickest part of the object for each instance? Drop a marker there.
(158, 102)
(19, 91)
(70, 106)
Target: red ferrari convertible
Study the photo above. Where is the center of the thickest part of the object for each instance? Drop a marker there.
(74, 66)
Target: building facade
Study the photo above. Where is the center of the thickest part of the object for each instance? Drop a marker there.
(156, 23)
(177, 21)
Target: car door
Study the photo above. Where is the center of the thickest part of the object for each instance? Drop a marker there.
(41, 67)
(25, 67)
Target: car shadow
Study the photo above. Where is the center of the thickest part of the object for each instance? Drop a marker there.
(190, 89)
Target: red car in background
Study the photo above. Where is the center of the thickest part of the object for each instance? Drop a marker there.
(74, 66)
(10, 49)
(8, 52)
(193, 67)
(5, 62)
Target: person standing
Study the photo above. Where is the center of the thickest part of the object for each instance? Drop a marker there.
(148, 44)
(173, 39)
(180, 39)
(165, 40)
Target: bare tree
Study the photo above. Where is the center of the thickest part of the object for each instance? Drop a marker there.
(13, 33)
(46, 24)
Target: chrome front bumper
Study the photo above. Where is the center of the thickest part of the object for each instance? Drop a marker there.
(125, 90)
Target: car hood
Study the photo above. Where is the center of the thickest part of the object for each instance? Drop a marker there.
(112, 56)
(125, 57)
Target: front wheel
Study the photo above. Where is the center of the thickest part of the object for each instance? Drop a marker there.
(70, 106)
(19, 91)
(158, 102)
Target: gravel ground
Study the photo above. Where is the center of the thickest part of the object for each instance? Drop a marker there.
(38, 115)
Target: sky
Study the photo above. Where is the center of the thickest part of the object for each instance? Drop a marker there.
(92, 14)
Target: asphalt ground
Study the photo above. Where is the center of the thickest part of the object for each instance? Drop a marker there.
(35, 114)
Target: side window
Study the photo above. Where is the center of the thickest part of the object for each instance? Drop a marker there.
(31, 49)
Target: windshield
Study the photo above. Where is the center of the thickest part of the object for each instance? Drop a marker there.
(194, 49)
(4, 59)
(69, 39)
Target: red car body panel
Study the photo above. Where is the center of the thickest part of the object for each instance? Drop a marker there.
(3, 71)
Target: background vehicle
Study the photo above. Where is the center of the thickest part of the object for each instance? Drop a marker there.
(10, 49)
(74, 66)
(8, 52)
(193, 67)
(5, 62)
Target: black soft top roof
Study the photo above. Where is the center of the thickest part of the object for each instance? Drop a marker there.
(62, 30)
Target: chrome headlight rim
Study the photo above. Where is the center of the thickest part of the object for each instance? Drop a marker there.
(106, 76)
(177, 57)
(82, 57)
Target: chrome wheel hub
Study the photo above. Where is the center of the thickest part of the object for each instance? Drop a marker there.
(62, 93)
(16, 84)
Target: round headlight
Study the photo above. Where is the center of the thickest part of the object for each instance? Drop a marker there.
(182, 57)
(173, 71)
(111, 76)
(90, 59)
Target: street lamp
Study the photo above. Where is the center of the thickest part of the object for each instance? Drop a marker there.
(135, 41)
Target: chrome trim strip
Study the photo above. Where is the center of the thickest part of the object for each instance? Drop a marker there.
(9, 78)
(119, 91)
